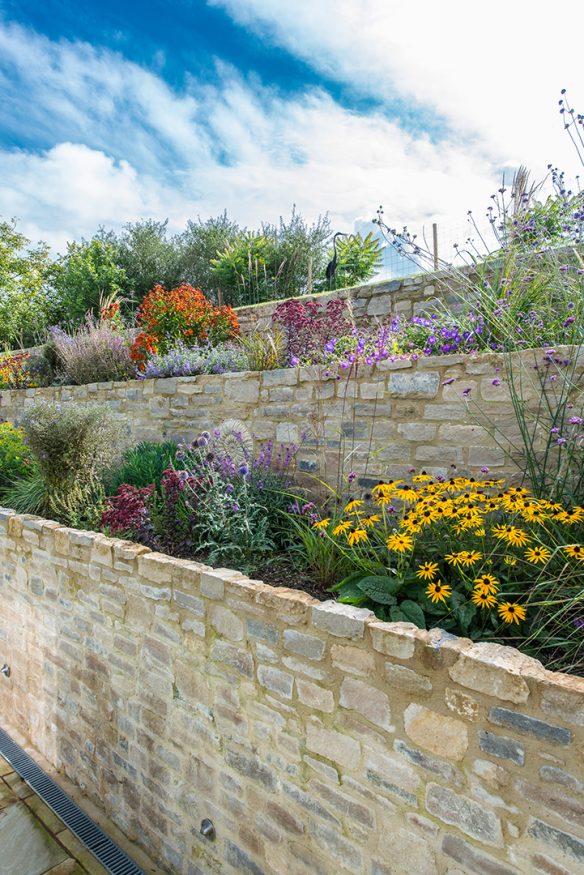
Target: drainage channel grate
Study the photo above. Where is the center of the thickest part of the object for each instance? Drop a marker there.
(111, 857)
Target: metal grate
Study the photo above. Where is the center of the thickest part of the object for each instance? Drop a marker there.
(111, 857)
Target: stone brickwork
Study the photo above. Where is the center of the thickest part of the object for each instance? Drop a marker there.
(379, 420)
(318, 739)
(375, 302)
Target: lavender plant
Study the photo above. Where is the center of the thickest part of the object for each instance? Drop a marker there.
(96, 352)
(182, 361)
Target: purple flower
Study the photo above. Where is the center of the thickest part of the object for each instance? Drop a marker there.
(575, 420)
(448, 382)
(243, 470)
(235, 507)
(561, 441)
(351, 477)
(555, 430)
(466, 392)
(579, 623)
(484, 470)
(563, 267)
(496, 382)
(229, 488)
(294, 361)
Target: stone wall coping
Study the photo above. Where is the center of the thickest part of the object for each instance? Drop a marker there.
(486, 667)
(304, 373)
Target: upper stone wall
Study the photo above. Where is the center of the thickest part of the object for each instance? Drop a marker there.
(318, 739)
(387, 417)
(374, 302)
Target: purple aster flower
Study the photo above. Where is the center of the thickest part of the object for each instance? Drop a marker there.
(484, 470)
(496, 382)
(351, 477)
(575, 420)
(294, 361)
(561, 441)
(554, 430)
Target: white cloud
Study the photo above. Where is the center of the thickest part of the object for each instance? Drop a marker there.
(493, 71)
(128, 146)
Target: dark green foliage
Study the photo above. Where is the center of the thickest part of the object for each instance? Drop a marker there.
(88, 275)
(142, 466)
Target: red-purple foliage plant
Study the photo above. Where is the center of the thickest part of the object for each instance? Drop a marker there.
(309, 325)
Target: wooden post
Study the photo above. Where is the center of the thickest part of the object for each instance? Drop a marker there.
(220, 297)
(310, 274)
(435, 244)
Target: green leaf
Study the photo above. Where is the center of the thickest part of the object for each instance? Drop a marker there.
(413, 613)
(396, 615)
(380, 589)
(350, 594)
(465, 614)
(357, 575)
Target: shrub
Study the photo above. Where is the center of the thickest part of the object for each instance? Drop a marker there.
(26, 495)
(183, 361)
(72, 446)
(127, 513)
(181, 315)
(16, 460)
(309, 325)
(87, 274)
(95, 353)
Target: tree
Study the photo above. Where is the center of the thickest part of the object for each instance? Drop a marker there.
(28, 303)
(148, 257)
(200, 244)
(87, 275)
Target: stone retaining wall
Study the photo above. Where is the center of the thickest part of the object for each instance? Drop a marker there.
(379, 420)
(317, 738)
(375, 302)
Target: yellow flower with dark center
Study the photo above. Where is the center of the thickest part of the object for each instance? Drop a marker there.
(480, 531)
(483, 599)
(537, 555)
(422, 478)
(353, 505)
(382, 498)
(438, 592)
(486, 583)
(427, 516)
(427, 570)
(470, 557)
(511, 612)
(342, 527)
(399, 543)
(500, 531)
(576, 551)
(369, 521)
(410, 525)
(534, 513)
(407, 493)
(510, 560)
(575, 515)
(455, 558)
(357, 536)
(321, 524)
(385, 489)
(517, 537)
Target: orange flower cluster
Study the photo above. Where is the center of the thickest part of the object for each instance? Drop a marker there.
(180, 315)
(111, 313)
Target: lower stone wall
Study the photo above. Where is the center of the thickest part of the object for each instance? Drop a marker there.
(316, 738)
(379, 420)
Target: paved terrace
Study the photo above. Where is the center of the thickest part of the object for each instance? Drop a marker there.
(34, 841)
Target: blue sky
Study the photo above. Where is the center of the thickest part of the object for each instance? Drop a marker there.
(114, 111)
